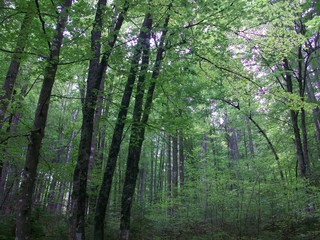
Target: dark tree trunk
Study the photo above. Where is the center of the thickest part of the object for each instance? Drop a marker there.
(37, 133)
(251, 147)
(160, 175)
(137, 133)
(295, 124)
(79, 192)
(152, 163)
(234, 147)
(96, 72)
(174, 166)
(105, 188)
(181, 159)
(155, 172)
(302, 75)
(14, 67)
(168, 168)
(138, 130)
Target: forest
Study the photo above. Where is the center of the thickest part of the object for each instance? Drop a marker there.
(159, 119)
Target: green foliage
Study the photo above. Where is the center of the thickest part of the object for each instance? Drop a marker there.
(223, 64)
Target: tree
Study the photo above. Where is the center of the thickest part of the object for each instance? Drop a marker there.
(96, 72)
(14, 67)
(140, 119)
(37, 133)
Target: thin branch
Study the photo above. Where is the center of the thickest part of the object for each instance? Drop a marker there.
(13, 136)
(42, 22)
(227, 70)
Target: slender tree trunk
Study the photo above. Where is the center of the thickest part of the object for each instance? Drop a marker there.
(155, 172)
(235, 149)
(79, 192)
(168, 169)
(137, 133)
(142, 190)
(204, 156)
(14, 67)
(138, 129)
(152, 163)
(181, 159)
(174, 166)
(251, 147)
(77, 225)
(301, 84)
(160, 175)
(105, 188)
(295, 124)
(37, 133)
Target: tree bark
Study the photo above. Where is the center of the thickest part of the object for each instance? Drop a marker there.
(138, 131)
(37, 133)
(137, 135)
(251, 147)
(301, 84)
(105, 188)
(174, 166)
(295, 124)
(181, 159)
(96, 72)
(152, 163)
(14, 67)
(168, 169)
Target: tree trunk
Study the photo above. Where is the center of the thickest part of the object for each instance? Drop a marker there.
(160, 175)
(295, 124)
(181, 159)
(14, 67)
(152, 163)
(168, 168)
(138, 129)
(174, 166)
(137, 133)
(105, 188)
(301, 84)
(37, 133)
(251, 147)
(155, 172)
(79, 192)
(77, 225)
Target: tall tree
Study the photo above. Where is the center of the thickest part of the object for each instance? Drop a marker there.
(14, 67)
(175, 166)
(117, 135)
(140, 119)
(23, 220)
(294, 114)
(181, 159)
(96, 72)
